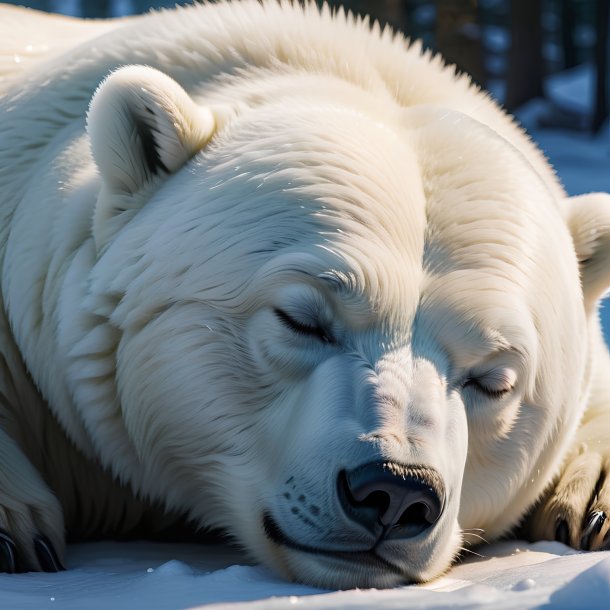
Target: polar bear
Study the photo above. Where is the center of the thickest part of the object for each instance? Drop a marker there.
(279, 272)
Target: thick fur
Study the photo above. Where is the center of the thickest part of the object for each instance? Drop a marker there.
(247, 246)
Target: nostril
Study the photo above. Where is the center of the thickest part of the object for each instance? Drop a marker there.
(417, 514)
(396, 500)
(379, 500)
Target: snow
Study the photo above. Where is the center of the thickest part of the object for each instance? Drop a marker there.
(160, 576)
(510, 574)
(581, 160)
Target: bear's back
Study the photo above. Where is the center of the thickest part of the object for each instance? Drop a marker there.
(198, 45)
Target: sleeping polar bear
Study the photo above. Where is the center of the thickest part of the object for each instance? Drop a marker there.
(281, 273)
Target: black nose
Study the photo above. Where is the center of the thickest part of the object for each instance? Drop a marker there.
(392, 500)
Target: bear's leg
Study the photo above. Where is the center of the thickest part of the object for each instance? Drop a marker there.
(31, 518)
(576, 509)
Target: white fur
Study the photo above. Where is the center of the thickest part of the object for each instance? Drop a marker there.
(270, 156)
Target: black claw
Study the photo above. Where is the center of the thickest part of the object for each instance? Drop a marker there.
(562, 532)
(594, 525)
(8, 563)
(47, 557)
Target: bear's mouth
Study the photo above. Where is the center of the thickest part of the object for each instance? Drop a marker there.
(368, 558)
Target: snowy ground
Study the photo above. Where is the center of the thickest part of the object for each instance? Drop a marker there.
(167, 577)
(508, 575)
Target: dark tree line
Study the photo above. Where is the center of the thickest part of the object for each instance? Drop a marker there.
(529, 40)
(516, 42)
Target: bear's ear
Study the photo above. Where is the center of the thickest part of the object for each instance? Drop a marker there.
(142, 126)
(588, 219)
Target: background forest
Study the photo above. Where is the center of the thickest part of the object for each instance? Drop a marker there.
(507, 47)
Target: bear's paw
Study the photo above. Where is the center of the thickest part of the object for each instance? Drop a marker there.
(576, 509)
(31, 518)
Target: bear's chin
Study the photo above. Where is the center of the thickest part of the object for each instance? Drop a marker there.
(363, 570)
(384, 566)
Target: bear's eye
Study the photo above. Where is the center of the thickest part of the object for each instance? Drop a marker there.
(301, 328)
(495, 384)
(480, 386)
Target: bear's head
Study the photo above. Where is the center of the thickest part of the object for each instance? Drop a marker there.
(344, 331)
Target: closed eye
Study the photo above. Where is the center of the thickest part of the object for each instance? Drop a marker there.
(493, 382)
(494, 393)
(300, 328)
(491, 392)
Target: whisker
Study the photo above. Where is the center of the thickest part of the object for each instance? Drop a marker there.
(465, 550)
(475, 536)
(471, 531)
